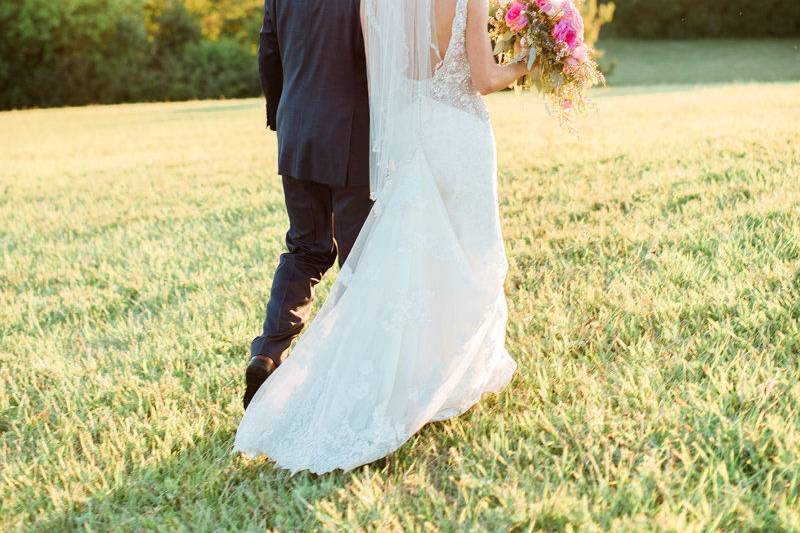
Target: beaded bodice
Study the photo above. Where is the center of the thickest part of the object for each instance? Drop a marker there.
(452, 81)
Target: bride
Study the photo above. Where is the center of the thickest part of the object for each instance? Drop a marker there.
(413, 329)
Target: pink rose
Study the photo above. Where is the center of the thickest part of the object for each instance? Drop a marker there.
(580, 53)
(516, 18)
(563, 32)
(547, 7)
(573, 17)
(569, 29)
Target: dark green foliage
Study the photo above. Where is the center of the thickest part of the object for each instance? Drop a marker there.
(706, 18)
(75, 52)
(70, 53)
(174, 28)
(221, 68)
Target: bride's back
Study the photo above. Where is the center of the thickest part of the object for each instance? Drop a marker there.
(443, 11)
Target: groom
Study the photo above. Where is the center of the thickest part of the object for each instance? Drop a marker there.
(313, 72)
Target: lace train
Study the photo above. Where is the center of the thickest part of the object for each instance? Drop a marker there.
(412, 332)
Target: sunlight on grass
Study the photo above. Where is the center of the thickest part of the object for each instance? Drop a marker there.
(654, 297)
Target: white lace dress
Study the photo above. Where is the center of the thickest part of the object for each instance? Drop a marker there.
(414, 328)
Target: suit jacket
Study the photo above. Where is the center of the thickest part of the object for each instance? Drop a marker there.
(314, 75)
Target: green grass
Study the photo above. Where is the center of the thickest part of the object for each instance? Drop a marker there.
(701, 61)
(654, 296)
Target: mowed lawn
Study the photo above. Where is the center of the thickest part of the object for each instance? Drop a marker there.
(654, 294)
(698, 61)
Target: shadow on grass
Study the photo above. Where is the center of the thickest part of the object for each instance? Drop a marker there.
(699, 61)
(204, 487)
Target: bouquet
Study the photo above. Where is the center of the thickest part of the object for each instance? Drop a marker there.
(548, 35)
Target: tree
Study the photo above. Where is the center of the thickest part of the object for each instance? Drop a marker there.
(70, 52)
(239, 20)
(595, 16)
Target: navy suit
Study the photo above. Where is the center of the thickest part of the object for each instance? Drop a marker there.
(313, 72)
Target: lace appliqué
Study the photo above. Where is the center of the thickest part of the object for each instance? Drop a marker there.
(452, 81)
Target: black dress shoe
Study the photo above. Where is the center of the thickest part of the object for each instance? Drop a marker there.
(257, 372)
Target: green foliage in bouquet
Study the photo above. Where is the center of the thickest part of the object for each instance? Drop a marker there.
(595, 17)
(548, 35)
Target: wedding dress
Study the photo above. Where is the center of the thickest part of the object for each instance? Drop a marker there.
(413, 329)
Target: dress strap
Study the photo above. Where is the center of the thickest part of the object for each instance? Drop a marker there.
(460, 21)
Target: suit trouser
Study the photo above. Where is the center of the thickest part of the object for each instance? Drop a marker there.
(324, 222)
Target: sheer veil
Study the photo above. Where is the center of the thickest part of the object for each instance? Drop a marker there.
(402, 54)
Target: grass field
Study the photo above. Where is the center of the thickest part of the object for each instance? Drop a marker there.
(654, 296)
(701, 61)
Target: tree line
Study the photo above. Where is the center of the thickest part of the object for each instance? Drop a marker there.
(705, 18)
(73, 52)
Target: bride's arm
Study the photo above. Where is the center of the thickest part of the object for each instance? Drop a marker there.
(487, 75)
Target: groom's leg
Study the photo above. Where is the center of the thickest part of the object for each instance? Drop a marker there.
(351, 205)
(311, 253)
